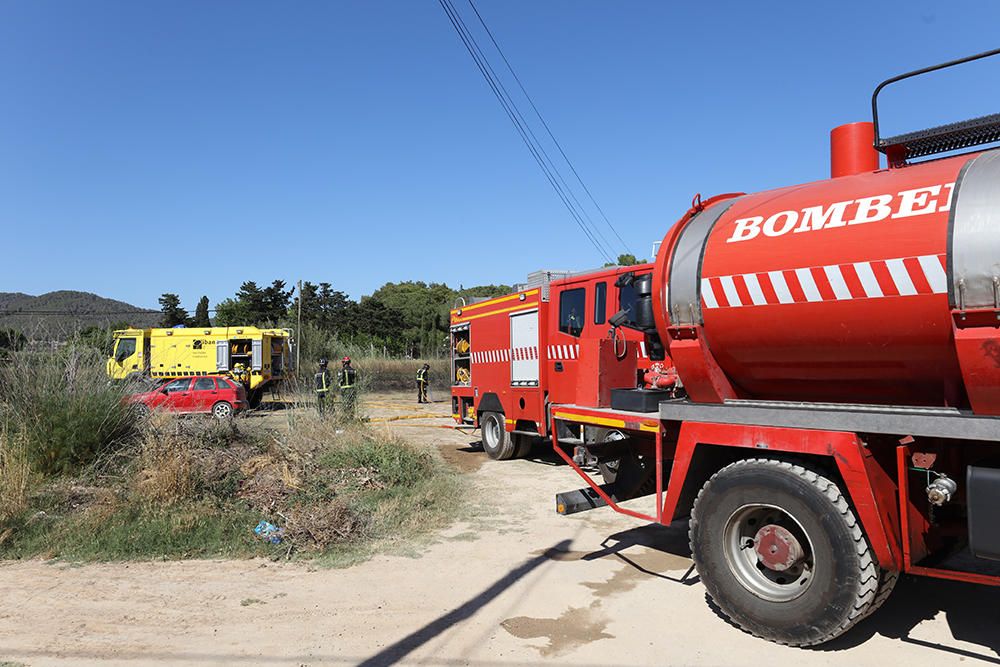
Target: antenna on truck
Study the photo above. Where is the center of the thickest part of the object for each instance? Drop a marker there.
(940, 139)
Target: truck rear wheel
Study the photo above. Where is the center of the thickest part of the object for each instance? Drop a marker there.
(781, 553)
(255, 397)
(630, 475)
(496, 441)
(523, 444)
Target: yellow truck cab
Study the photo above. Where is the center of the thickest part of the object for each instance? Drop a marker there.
(256, 357)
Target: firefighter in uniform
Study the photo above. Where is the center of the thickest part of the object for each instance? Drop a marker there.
(422, 379)
(323, 383)
(347, 380)
(241, 374)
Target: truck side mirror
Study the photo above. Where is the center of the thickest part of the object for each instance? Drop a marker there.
(625, 279)
(619, 319)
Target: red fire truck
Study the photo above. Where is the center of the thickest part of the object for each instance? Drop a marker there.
(837, 419)
(514, 356)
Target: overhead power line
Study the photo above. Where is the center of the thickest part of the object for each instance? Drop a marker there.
(535, 147)
(527, 136)
(538, 113)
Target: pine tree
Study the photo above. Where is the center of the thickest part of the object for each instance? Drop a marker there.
(173, 314)
(201, 318)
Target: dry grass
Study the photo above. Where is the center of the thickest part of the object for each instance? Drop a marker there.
(81, 480)
(15, 474)
(166, 473)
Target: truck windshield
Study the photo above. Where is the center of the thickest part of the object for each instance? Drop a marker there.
(125, 349)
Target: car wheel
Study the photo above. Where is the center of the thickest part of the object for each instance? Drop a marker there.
(222, 410)
(140, 410)
(781, 552)
(496, 440)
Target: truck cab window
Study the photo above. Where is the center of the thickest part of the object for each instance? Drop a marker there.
(572, 304)
(600, 302)
(125, 349)
(626, 301)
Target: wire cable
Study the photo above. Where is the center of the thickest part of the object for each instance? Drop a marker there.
(521, 126)
(524, 130)
(538, 113)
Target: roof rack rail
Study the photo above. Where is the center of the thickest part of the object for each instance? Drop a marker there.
(950, 137)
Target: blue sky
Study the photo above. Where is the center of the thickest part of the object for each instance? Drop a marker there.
(148, 147)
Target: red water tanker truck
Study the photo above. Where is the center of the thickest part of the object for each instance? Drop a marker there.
(826, 409)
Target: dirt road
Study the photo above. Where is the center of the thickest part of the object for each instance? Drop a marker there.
(511, 583)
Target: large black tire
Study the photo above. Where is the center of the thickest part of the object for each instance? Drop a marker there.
(496, 441)
(886, 583)
(523, 444)
(806, 601)
(631, 475)
(255, 397)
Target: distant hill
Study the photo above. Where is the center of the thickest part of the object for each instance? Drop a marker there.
(58, 315)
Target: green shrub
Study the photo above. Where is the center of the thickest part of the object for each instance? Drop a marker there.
(391, 461)
(64, 407)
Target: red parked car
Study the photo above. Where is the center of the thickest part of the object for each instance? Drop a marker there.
(219, 396)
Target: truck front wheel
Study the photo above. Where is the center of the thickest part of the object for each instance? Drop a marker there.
(496, 441)
(781, 552)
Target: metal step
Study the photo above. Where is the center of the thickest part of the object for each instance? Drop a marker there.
(581, 500)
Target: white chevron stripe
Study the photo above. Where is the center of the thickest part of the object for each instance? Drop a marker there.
(836, 278)
(868, 280)
(756, 293)
(901, 277)
(730, 290)
(808, 285)
(780, 286)
(934, 273)
(707, 294)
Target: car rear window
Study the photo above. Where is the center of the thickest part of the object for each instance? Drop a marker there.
(204, 384)
(224, 383)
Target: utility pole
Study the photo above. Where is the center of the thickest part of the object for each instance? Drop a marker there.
(298, 332)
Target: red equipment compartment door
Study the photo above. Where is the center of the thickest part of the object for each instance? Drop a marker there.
(524, 349)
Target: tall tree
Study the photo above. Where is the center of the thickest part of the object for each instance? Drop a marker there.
(275, 300)
(255, 306)
(173, 314)
(201, 318)
(627, 259)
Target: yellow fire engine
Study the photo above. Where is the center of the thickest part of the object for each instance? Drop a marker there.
(256, 357)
